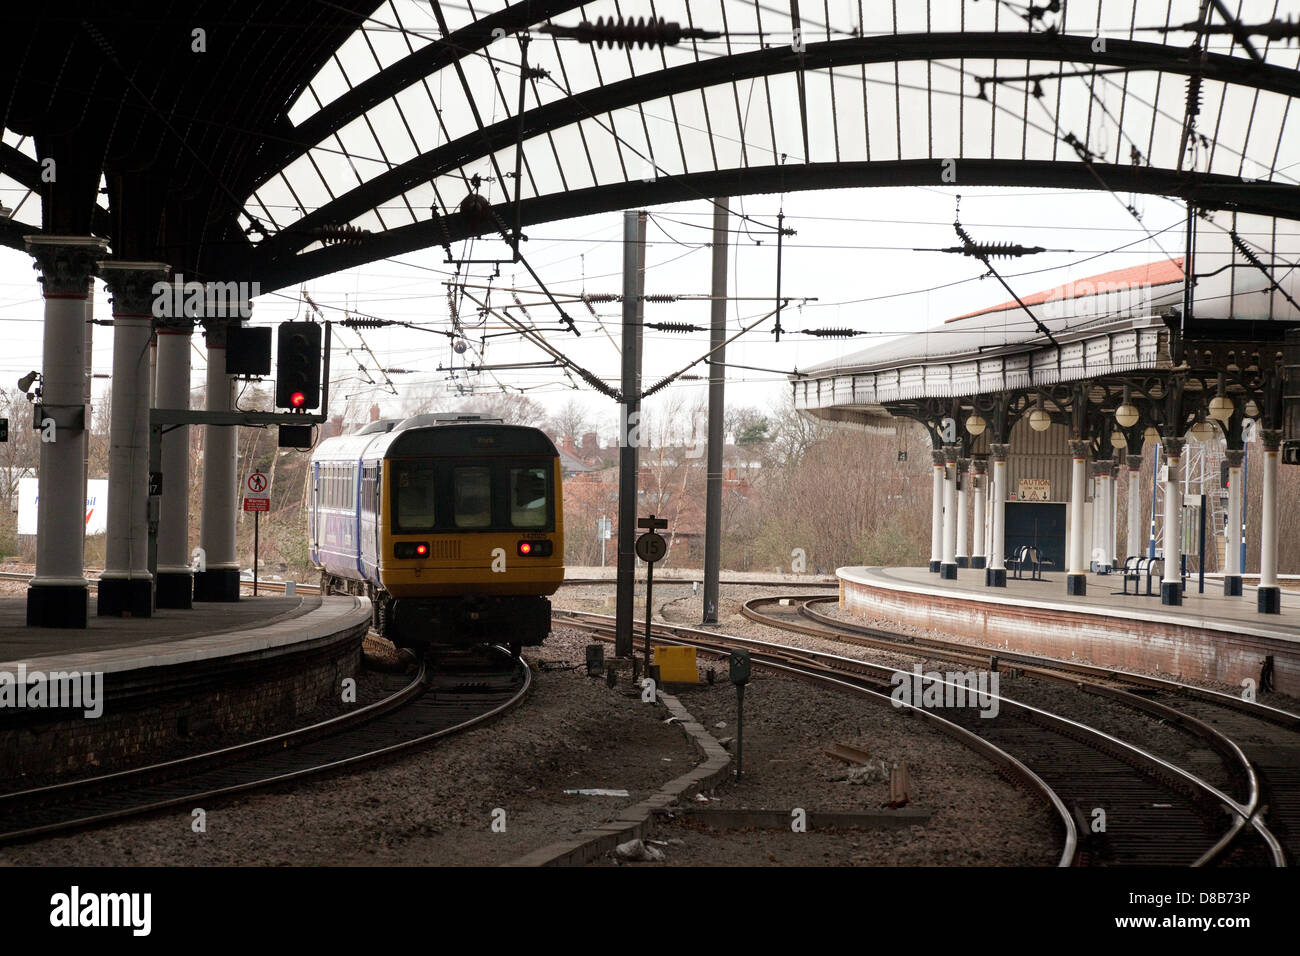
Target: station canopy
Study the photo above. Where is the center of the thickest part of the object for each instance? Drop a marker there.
(412, 124)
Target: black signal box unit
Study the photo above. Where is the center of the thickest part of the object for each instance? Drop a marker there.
(295, 436)
(248, 351)
(4, 429)
(297, 373)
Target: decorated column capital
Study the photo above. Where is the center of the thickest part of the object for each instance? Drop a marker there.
(1102, 468)
(132, 286)
(1236, 457)
(1270, 438)
(1134, 462)
(979, 465)
(998, 451)
(937, 457)
(963, 466)
(66, 263)
(950, 454)
(1079, 448)
(1172, 447)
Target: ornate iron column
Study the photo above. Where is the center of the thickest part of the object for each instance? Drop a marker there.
(1232, 548)
(948, 569)
(56, 596)
(1076, 581)
(175, 585)
(1135, 546)
(126, 586)
(996, 575)
(963, 508)
(1270, 595)
(218, 576)
(1171, 588)
(936, 512)
(979, 483)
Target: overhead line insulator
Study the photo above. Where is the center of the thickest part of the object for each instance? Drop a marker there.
(1006, 250)
(340, 235)
(674, 327)
(640, 32)
(831, 333)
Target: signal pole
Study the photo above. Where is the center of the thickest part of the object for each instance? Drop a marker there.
(717, 408)
(629, 437)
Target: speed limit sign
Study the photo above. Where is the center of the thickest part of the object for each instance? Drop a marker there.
(651, 547)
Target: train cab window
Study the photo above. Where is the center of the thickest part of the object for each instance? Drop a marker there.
(472, 490)
(528, 497)
(413, 496)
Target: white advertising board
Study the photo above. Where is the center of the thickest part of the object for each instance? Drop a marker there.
(96, 506)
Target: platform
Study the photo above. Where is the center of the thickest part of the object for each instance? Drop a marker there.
(1208, 637)
(176, 677)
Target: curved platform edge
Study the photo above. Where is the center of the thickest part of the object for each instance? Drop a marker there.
(1177, 642)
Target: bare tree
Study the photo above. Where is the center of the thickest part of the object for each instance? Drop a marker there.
(573, 420)
(19, 459)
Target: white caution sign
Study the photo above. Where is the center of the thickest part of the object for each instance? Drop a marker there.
(257, 492)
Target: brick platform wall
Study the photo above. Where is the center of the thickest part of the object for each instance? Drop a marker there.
(1122, 643)
(154, 713)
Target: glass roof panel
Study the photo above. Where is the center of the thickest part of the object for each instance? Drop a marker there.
(977, 107)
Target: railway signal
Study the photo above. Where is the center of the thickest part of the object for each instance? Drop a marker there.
(738, 667)
(297, 383)
(650, 547)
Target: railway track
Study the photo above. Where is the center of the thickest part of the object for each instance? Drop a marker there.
(1157, 813)
(1259, 741)
(440, 701)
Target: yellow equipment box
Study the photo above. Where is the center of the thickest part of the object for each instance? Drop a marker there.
(676, 665)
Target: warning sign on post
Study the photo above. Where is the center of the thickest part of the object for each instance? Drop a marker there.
(257, 492)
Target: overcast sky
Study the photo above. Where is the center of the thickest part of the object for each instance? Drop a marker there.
(853, 253)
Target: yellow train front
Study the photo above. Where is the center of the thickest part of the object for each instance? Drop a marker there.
(452, 526)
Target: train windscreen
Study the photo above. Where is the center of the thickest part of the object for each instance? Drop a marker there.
(414, 491)
(528, 497)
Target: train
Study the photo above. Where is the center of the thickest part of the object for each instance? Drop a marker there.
(451, 525)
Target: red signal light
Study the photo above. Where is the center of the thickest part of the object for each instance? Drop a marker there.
(297, 399)
(421, 550)
(525, 547)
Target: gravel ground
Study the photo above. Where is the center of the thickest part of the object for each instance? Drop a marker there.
(430, 808)
(978, 818)
(1112, 717)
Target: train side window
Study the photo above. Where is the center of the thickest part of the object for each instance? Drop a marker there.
(413, 497)
(528, 487)
(472, 493)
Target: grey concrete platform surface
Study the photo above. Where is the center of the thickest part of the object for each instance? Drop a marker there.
(175, 636)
